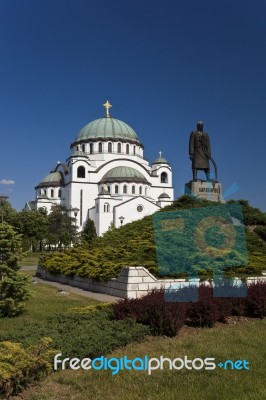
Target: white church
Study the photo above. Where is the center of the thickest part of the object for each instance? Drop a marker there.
(106, 177)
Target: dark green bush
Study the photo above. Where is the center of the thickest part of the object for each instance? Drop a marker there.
(92, 335)
(82, 334)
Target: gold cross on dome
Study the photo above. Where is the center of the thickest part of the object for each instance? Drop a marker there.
(107, 105)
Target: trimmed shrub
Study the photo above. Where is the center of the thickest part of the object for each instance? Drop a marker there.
(166, 318)
(256, 300)
(239, 306)
(87, 334)
(91, 308)
(20, 366)
(163, 318)
(205, 312)
(129, 309)
(92, 334)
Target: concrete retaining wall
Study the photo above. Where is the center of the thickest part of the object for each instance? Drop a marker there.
(132, 282)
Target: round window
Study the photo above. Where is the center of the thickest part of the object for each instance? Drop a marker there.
(140, 208)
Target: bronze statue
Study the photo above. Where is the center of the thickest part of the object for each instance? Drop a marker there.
(200, 152)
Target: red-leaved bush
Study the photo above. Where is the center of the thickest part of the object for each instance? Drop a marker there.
(165, 315)
(256, 300)
(164, 318)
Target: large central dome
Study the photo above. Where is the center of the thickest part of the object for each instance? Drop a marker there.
(122, 173)
(104, 128)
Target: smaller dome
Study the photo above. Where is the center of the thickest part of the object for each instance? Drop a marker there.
(164, 196)
(160, 159)
(53, 179)
(124, 174)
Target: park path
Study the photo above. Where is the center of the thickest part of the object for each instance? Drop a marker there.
(71, 289)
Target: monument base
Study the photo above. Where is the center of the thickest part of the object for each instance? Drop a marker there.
(208, 190)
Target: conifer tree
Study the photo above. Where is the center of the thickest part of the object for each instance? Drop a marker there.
(13, 285)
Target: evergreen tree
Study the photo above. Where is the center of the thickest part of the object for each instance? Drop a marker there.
(13, 285)
(7, 213)
(88, 234)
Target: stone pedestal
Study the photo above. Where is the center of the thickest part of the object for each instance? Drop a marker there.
(208, 190)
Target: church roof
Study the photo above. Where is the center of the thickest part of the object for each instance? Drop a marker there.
(160, 160)
(104, 128)
(124, 174)
(164, 196)
(53, 179)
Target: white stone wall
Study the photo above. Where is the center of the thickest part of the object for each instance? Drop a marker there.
(132, 282)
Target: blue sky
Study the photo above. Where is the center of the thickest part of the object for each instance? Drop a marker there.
(163, 65)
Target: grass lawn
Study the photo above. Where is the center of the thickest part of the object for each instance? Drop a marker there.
(237, 340)
(45, 302)
(245, 340)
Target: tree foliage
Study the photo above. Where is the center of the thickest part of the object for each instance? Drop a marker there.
(13, 285)
(8, 214)
(33, 225)
(88, 234)
(61, 227)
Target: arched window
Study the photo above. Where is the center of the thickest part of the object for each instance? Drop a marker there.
(164, 177)
(44, 191)
(133, 189)
(91, 148)
(81, 172)
(108, 188)
(127, 148)
(83, 148)
(52, 192)
(100, 148)
(125, 189)
(140, 190)
(106, 207)
(59, 193)
(134, 150)
(119, 148)
(146, 191)
(109, 147)
(116, 189)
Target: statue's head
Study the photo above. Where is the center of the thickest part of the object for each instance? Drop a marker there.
(200, 126)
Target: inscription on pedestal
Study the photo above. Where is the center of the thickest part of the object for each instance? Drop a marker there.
(211, 191)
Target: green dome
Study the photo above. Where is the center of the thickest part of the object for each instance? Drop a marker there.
(107, 128)
(164, 196)
(53, 179)
(160, 160)
(124, 174)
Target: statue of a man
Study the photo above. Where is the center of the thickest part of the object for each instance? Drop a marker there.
(200, 151)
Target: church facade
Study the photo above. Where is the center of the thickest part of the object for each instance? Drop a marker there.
(106, 177)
